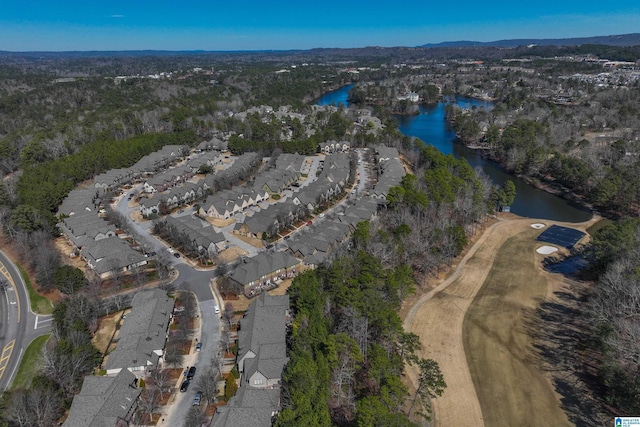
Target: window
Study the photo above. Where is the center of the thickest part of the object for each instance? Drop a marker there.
(258, 382)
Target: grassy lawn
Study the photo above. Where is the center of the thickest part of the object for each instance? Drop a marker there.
(598, 225)
(499, 348)
(30, 363)
(39, 304)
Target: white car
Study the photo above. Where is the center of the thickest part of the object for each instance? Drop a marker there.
(216, 309)
(170, 250)
(321, 215)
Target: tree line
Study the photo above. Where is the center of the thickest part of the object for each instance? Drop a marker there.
(613, 312)
(348, 351)
(67, 358)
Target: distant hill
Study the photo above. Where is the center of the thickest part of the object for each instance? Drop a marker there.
(614, 40)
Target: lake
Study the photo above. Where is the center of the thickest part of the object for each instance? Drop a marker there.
(431, 127)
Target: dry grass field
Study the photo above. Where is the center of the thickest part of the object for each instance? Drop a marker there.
(511, 388)
(474, 324)
(106, 329)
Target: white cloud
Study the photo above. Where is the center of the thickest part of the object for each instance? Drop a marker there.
(116, 16)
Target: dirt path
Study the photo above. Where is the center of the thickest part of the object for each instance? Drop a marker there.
(437, 318)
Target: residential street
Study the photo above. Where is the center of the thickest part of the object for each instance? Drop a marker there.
(197, 281)
(175, 412)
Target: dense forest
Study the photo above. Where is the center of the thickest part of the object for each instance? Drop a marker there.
(613, 312)
(348, 350)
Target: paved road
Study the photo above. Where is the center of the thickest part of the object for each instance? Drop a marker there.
(176, 412)
(18, 324)
(198, 282)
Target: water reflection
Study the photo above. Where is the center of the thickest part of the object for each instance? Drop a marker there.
(431, 127)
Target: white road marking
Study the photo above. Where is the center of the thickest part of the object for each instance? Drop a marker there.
(14, 369)
(47, 319)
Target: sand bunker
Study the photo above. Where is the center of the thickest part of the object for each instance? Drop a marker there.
(537, 226)
(546, 250)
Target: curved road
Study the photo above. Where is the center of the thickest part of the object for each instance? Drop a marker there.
(18, 324)
(188, 279)
(198, 281)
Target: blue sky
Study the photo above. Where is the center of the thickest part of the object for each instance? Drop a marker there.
(44, 25)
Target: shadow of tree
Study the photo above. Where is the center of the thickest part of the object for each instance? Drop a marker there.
(562, 345)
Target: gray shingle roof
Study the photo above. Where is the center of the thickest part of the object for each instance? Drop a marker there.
(264, 263)
(80, 200)
(269, 361)
(229, 416)
(289, 161)
(264, 332)
(256, 398)
(263, 323)
(103, 400)
(196, 230)
(143, 331)
(111, 253)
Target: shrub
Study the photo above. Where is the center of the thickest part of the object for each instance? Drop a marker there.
(230, 388)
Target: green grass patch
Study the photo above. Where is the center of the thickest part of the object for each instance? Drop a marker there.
(30, 364)
(39, 304)
(598, 225)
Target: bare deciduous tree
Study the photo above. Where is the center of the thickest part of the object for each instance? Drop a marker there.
(38, 406)
(173, 354)
(162, 380)
(194, 418)
(150, 401)
(208, 384)
(227, 314)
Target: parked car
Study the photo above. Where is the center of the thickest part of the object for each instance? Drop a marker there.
(309, 223)
(176, 254)
(197, 398)
(321, 215)
(199, 346)
(191, 373)
(185, 385)
(216, 309)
